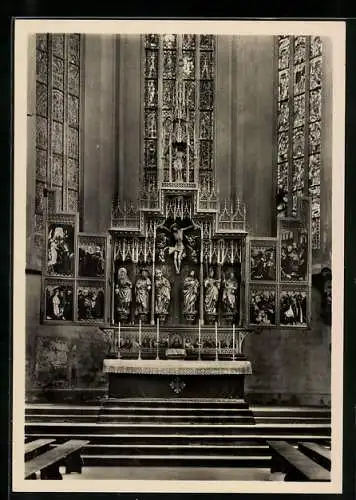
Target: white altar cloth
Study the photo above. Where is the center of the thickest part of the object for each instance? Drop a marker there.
(177, 367)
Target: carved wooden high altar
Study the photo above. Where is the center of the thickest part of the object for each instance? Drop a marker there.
(177, 282)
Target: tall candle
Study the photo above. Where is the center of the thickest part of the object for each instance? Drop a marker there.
(157, 355)
(216, 334)
(188, 147)
(139, 333)
(119, 334)
(233, 341)
(199, 333)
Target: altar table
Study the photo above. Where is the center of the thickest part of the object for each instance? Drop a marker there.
(176, 378)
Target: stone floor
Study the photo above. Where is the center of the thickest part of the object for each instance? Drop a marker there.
(172, 473)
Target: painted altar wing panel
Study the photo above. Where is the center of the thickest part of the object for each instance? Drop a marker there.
(293, 306)
(91, 302)
(59, 300)
(262, 305)
(60, 249)
(91, 256)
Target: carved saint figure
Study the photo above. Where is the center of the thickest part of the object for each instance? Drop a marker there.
(178, 167)
(123, 290)
(211, 286)
(190, 292)
(178, 250)
(142, 292)
(230, 293)
(163, 293)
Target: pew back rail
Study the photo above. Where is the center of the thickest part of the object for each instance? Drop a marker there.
(318, 453)
(47, 465)
(294, 464)
(36, 447)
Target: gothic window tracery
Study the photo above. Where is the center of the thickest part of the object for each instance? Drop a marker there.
(190, 59)
(299, 125)
(58, 59)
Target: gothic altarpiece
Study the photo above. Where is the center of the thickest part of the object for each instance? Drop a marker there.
(177, 274)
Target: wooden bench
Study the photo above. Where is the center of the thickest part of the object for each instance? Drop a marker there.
(318, 453)
(46, 466)
(294, 464)
(34, 448)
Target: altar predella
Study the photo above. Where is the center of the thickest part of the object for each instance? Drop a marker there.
(177, 268)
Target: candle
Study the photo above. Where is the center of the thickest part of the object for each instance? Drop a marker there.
(119, 335)
(139, 333)
(199, 333)
(188, 147)
(157, 357)
(233, 341)
(216, 340)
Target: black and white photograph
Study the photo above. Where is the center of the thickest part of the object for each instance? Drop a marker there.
(90, 302)
(176, 325)
(59, 300)
(293, 308)
(60, 249)
(263, 306)
(263, 262)
(91, 255)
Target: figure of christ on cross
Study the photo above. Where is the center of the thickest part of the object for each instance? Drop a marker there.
(178, 250)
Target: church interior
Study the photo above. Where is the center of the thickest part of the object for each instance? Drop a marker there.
(178, 262)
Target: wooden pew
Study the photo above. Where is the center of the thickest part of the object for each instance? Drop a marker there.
(318, 453)
(46, 466)
(294, 464)
(35, 448)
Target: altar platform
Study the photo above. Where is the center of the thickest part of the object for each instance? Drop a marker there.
(176, 378)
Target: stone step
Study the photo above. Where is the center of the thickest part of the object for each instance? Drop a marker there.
(217, 439)
(176, 402)
(232, 417)
(175, 460)
(280, 412)
(172, 412)
(158, 425)
(289, 412)
(246, 449)
(142, 418)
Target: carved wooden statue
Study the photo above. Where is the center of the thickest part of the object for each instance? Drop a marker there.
(190, 293)
(123, 292)
(211, 287)
(163, 293)
(229, 297)
(142, 293)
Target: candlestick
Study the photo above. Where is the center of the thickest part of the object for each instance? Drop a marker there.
(216, 340)
(139, 339)
(199, 339)
(157, 338)
(188, 147)
(233, 342)
(118, 352)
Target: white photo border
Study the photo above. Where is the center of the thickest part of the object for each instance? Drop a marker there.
(24, 28)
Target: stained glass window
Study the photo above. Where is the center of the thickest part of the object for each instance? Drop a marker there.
(168, 58)
(299, 125)
(58, 59)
